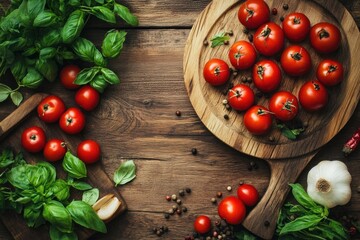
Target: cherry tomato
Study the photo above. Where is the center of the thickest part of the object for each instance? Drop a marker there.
(325, 37)
(89, 151)
(51, 108)
(266, 75)
(241, 97)
(216, 72)
(54, 150)
(202, 224)
(72, 121)
(232, 210)
(33, 139)
(68, 75)
(242, 55)
(284, 105)
(257, 120)
(296, 26)
(330, 72)
(248, 194)
(269, 39)
(87, 97)
(313, 96)
(253, 13)
(295, 61)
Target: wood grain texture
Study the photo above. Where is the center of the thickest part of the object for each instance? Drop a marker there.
(136, 120)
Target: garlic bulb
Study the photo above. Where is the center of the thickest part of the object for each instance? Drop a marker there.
(329, 183)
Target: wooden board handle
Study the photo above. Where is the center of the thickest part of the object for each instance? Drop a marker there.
(20, 113)
(262, 219)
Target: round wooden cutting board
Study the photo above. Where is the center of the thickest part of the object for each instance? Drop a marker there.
(286, 158)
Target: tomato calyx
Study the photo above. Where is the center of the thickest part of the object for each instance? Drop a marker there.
(217, 71)
(323, 34)
(33, 137)
(260, 72)
(69, 120)
(265, 32)
(316, 86)
(331, 69)
(296, 56)
(236, 93)
(296, 20)
(261, 112)
(250, 13)
(288, 105)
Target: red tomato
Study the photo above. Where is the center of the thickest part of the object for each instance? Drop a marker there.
(87, 97)
(284, 105)
(269, 39)
(313, 96)
(33, 139)
(89, 151)
(216, 72)
(232, 210)
(266, 75)
(330, 72)
(295, 61)
(253, 13)
(202, 224)
(325, 37)
(242, 55)
(72, 121)
(241, 97)
(68, 75)
(296, 26)
(248, 194)
(257, 120)
(54, 150)
(51, 108)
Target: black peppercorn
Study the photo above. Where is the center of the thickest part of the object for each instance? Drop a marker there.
(241, 182)
(249, 79)
(266, 223)
(226, 42)
(166, 229)
(188, 190)
(166, 216)
(358, 189)
(178, 113)
(231, 33)
(158, 232)
(154, 230)
(250, 37)
(178, 212)
(194, 151)
(246, 31)
(213, 200)
(184, 209)
(226, 117)
(281, 18)
(178, 202)
(182, 192)
(219, 194)
(286, 6)
(274, 11)
(271, 138)
(206, 43)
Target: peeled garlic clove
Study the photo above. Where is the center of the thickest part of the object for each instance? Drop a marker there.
(102, 201)
(109, 209)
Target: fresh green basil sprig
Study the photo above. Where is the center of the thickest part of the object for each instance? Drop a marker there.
(35, 192)
(307, 220)
(37, 36)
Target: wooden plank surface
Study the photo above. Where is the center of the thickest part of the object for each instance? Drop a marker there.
(136, 120)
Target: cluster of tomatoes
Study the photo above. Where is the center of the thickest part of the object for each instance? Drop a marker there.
(295, 61)
(232, 208)
(71, 120)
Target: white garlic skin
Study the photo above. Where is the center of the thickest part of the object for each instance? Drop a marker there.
(336, 174)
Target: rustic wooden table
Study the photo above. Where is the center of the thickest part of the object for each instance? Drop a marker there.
(136, 120)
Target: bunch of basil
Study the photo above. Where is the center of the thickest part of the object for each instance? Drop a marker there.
(307, 220)
(36, 36)
(36, 192)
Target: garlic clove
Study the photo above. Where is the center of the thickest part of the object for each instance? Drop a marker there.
(102, 201)
(109, 209)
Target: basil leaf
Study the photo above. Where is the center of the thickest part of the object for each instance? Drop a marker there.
(125, 173)
(74, 166)
(87, 51)
(81, 186)
(33, 216)
(103, 13)
(48, 52)
(109, 76)
(30, 51)
(48, 68)
(338, 228)
(99, 83)
(4, 92)
(33, 78)
(302, 197)
(50, 38)
(34, 7)
(113, 43)
(83, 214)
(16, 98)
(124, 13)
(219, 39)
(18, 69)
(73, 26)
(86, 75)
(91, 196)
(18, 176)
(61, 190)
(55, 234)
(300, 223)
(55, 213)
(74, 3)
(6, 158)
(45, 19)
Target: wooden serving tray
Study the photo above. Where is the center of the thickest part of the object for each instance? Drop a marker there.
(96, 175)
(286, 158)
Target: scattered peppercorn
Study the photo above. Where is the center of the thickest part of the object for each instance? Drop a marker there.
(194, 151)
(213, 200)
(188, 190)
(174, 207)
(235, 73)
(154, 230)
(282, 18)
(231, 33)
(226, 42)
(227, 106)
(271, 138)
(286, 6)
(171, 211)
(225, 101)
(181, 192)
(266, 223)
(274, 11)
(358, 189)
(241, 182)
(226, 117)
(305, 124)
(249, 79)
(206, 43)
(166, 216)
(246, 31)
(219, 194)
(352, 231)
(184, 209)
(178, 113)
(168, 198)
(174, 197)
(178, 202)
(250, 37)
(178, 212)
(229, 188)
